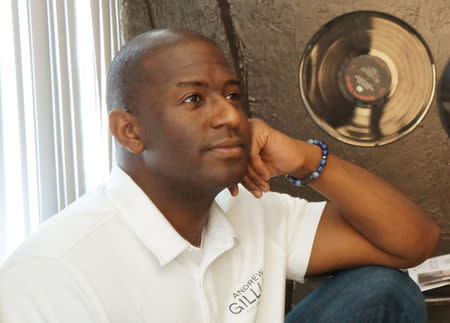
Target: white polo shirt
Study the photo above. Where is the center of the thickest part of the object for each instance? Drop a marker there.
(113, 257)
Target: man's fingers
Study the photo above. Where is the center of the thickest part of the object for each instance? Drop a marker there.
(259, 181)
(252, 187)
(257, 163)
(234, 190)
(255, 183)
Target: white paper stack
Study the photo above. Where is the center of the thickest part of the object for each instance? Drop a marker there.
(432, 273)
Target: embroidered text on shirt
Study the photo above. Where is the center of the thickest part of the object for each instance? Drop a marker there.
(247, 296)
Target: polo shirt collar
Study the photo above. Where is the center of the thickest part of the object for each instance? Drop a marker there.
(152, 227)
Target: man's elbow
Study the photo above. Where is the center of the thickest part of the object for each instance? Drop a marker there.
(434, 235)
(426, 244)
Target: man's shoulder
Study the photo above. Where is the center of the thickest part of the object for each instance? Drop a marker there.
(64, 230)
(271, 206)
(245, 205)
(269, 199)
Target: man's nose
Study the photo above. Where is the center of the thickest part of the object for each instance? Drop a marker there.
(225, 113)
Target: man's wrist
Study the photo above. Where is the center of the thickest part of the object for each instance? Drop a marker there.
(316, 155)
(311, 156)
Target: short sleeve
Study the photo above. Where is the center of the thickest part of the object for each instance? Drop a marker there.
(301, 227)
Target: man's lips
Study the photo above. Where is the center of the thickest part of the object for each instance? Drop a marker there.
(228, 147)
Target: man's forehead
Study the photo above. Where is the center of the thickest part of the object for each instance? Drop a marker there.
(186, 62)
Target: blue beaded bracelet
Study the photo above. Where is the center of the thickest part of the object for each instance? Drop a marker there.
(314, 175)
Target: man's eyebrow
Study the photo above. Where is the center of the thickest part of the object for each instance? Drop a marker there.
(191, 84)
(204, 84)
(233, 82)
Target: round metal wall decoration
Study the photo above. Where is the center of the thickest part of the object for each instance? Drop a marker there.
(367, 78)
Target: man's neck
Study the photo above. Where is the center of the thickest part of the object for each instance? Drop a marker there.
(187, 213)
(186, 208)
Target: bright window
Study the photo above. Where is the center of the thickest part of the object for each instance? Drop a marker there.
(54, 141)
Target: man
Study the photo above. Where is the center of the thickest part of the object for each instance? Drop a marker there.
(173, 237)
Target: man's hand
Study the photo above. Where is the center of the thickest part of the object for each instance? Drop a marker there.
(274, 153)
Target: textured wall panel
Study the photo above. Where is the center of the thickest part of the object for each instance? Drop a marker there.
(200, 16)
(135, 17)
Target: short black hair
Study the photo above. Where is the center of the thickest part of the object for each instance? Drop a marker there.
(125, 77)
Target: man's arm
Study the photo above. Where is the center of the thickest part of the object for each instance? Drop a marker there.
(366, 221)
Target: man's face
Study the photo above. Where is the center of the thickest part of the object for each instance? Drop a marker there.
(194, 129)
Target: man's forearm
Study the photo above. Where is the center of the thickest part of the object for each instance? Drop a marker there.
(376, 209)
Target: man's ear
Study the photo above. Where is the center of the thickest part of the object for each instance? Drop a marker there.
(124, 127)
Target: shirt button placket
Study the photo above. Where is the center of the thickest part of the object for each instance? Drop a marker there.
(204, 297)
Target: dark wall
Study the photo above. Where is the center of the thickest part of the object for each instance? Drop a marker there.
(264, 41)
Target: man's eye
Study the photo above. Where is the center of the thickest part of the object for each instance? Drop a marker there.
(233, 96)
(195, 98)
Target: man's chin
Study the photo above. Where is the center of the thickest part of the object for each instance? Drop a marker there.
(231, 179)
(224, 176)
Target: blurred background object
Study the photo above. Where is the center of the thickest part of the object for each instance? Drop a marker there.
(444, 98)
